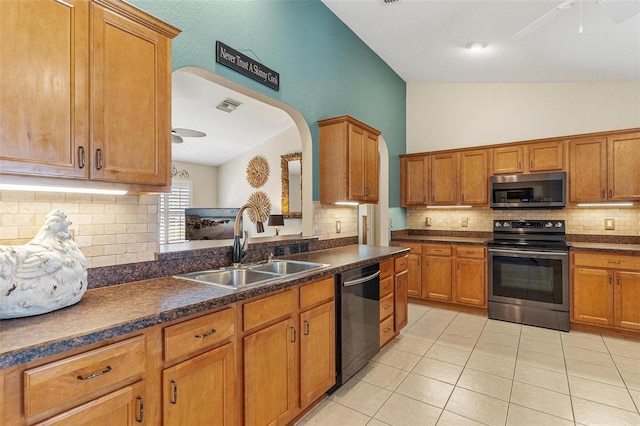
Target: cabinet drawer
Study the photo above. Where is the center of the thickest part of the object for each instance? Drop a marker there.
(386, 306)
(386, 330)
(386, 286)
(316, 292)
(402, 263)
(612, 261)
(386, 268)
(470, 251)
(438, 250)
(82, 377)
(198, 334)
(415, 247)
(268, 309)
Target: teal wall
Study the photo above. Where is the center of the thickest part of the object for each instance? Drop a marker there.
(325, 69)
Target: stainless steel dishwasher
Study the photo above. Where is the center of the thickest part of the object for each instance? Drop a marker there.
(357, 320)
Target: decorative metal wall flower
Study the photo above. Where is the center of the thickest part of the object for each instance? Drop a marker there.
(261, 201)
(257, 171)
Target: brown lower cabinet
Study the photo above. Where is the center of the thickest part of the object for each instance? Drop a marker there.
(605, 290)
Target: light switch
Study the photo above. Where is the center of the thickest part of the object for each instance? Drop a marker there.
(609, 224)
(338, 226)
(465, 222)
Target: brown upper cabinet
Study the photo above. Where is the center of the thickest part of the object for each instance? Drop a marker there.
(348, 161)
(529, 158)
(605, 168)
(447, 178)
(108, 117)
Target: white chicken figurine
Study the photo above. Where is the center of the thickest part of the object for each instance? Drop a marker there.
(48, 273)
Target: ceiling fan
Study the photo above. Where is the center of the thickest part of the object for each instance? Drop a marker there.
(177, 134)
(618, 10)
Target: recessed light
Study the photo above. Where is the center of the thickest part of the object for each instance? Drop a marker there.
(476, 45)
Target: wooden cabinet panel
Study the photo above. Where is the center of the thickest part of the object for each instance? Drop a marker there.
(401, 263)
(606, 260)
(444, 179)
(386, 286)
(386, 306)
(317, 292)
(627, 300)
(438, 250)
(546, 156)
(386, 268)
(124, 407)
(592, 296)
(45, 60)
(317, 352)
(474, 178)
(414, 183)
(414, 278)
(401, 300)
(270, 374)
(509, 159)
(371, 170)
(79, 378)
(262, 311)
(386, 331)
(129, 61)
(587, 177)
(201, 390)
(356, 143)
(623, 156)
(471, 281)
(439, 278)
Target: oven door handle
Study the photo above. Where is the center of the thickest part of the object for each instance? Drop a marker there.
(360, 280)
(539, 253)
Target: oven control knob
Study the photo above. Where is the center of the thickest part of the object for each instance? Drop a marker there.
(506, 224)
(548, 225)
(498, 224)
(558, 225)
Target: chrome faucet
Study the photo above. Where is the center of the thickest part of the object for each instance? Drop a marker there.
(238, 250)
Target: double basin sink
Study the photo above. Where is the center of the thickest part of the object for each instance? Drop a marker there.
(251, 275)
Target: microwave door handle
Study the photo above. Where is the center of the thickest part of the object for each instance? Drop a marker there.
(539, 253)
(360, 280)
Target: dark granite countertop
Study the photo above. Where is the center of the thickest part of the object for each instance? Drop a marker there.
(442, 239)
(112, 311)
(629, 249)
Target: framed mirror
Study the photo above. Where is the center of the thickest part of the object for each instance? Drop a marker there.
(291, 165)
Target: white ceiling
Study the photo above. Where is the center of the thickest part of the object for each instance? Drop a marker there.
(228, 134)
(424, 40)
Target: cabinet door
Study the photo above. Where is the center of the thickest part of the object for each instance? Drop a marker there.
(371, 168)
(623, 154)
(270, 374)
(471, 282)
(593, 296)
(201, 390)
(124, 407)
(401, 308)
(474, 179)
(44, 93)
(130, 77)
(587, 170)
(415, 171)
(444, 178)
(356, 160)
(546, 156)
(317, 352)
(439, 278)
(627, 295)
(414, 278)
(508, 160)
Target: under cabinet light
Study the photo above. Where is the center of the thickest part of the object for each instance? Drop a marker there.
(605, 204)
(42, 188)
(449, 207)
(346, 203)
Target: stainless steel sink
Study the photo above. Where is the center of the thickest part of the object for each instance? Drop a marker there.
(286, 267)
(250, 275)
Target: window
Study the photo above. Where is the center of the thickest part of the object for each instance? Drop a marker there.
(172, 219)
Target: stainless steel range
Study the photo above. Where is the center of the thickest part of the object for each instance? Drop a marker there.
(529, 273)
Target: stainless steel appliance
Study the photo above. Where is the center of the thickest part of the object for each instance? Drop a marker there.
(536, 190)
(357, 320)
(529, 273)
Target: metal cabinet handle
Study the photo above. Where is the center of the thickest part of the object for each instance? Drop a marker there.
(96, 374)
(174, 399)
(610, 192)
(81, 157)
(618, 280)
(293, 334)
(603, 194)
(306, 327)
(519, 165)
(140, 416)
(387, 306)
(531, 164)
(610, 278)
(99, 159)
(616, 262)
(202, 336)
(386, 330)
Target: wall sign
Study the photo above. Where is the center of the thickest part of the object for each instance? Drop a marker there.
(237, 61)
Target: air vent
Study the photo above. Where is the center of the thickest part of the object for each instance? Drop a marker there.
(228, 105)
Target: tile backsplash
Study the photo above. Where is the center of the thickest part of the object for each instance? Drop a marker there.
(122, 229)
(578, 220)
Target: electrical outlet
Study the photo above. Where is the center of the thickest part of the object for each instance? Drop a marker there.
(304, 247)
(294, 248)
(390, 222)
(278, 251)
(465, 222)
(427, 222)
(609, 223)
(338, 227)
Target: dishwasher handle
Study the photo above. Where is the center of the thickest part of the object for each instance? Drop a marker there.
(360, 280)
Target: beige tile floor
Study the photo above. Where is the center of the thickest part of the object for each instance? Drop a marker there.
(454, 368)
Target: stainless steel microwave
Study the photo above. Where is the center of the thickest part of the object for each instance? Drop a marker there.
(533, 191)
